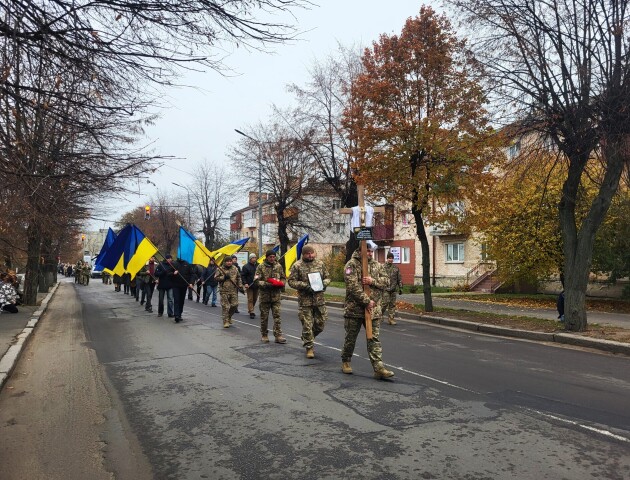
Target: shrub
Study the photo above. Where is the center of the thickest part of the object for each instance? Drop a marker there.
(335, 264)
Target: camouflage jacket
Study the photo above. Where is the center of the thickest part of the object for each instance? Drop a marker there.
(298, 279)
(229, 279)
(356, 299)
(268, 292)
(395, 278)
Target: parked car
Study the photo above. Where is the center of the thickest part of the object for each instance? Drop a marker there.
(96, 273)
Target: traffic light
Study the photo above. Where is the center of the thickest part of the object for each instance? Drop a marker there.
(147, 212)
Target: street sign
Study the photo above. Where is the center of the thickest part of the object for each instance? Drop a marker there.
(363, 233)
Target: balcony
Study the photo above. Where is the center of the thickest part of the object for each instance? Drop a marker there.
(250, 223)
(383, 232)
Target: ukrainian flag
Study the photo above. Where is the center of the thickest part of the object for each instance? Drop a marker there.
(129, 252)
(109, 241)
(191, 249)
(294, 254)
(229, 249)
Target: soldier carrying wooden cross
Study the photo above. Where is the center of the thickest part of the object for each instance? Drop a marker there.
(364, 291)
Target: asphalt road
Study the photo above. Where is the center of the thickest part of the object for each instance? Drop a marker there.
(206, 402)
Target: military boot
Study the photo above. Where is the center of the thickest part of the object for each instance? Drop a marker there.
(383, 373)
(346, 368)
(280, 339)
(265, 339)
(310, 353)
(226, 324)
(391, 321)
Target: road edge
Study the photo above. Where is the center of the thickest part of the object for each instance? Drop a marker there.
(12, 355)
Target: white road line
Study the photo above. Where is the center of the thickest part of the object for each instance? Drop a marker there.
(605, 433)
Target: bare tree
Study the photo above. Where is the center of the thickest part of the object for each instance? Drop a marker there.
(213, 200)
(562, 69)
(322, 102)
(287, 173)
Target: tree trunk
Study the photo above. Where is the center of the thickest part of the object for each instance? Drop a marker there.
(33, 248)
(49, 267)
(426, 258)
(578, 243)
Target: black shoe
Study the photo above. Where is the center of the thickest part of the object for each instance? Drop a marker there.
(236, 311)
(160, 314)
(142, 302)
(252, 315)
(177, 319)
(213, 305)
(150, 310)
(171, 316)
(205, 303)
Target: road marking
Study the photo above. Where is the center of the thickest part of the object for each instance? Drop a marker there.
(606, 433)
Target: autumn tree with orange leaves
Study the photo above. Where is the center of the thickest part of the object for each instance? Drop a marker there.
(419, 125)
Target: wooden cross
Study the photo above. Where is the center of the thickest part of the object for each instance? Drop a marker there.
(364, 259)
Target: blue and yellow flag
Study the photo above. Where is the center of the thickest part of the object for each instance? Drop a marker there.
(294, 254)
(229, 249)
(191, 249)
(109, 241)
(195, 252)
(129, 252)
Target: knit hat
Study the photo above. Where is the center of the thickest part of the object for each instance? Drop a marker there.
(252, 255)
(390, 255)
(270, 252)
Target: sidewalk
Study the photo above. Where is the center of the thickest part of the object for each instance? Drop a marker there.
(15, 328)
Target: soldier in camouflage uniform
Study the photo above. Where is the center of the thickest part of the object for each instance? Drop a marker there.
(312, 306)
(229, 284)
(270, 277)
(77, 271)
(395, 286)
(85, 273)
(356, 303)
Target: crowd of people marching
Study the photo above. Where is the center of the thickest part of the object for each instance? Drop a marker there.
(263, 282)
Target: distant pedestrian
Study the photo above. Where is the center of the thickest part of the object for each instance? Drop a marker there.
(394, 288)
(560, 306)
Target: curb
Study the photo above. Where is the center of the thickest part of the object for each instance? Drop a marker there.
(10, 358)
(562, 338)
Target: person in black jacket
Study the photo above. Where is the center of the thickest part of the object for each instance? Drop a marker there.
(182, 281)
(164, 274)
(251, 286)
(210, 284)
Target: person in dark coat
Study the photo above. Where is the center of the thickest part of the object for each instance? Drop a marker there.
(182, 281)
(248, 273)
(164, 275)
(210, 284)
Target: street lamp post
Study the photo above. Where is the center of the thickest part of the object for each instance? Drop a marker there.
(260, 215)
(188, 196)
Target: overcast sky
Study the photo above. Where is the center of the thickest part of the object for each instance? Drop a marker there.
(199, 123)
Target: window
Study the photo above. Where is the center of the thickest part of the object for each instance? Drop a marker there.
(336, 204)
(454, 253)
(514, 150)
(405, 255)
(337, 249)
(405, 219)
(339, 227)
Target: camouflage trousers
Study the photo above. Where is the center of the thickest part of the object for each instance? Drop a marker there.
(313, 320)
(264, 317)
(229, 305)
(389, 304)
(352, 326)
